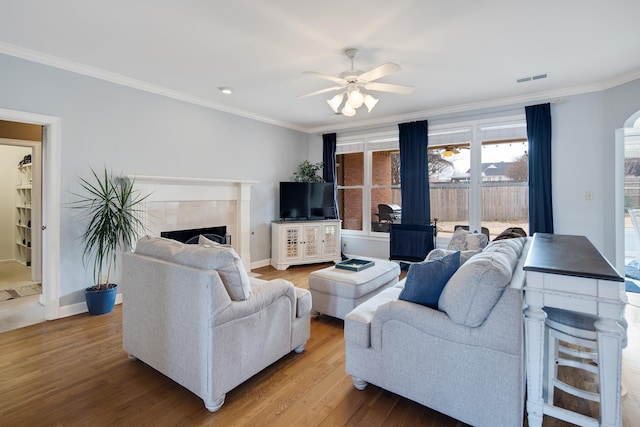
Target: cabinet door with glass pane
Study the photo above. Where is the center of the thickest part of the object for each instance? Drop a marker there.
(331, 240)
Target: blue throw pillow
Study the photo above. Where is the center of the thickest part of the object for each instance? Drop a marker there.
(426, 280)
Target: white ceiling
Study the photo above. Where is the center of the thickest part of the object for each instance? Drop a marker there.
(457, 54)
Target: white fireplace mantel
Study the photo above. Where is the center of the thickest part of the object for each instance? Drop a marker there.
(182, 189)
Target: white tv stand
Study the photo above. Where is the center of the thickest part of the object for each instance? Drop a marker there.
(304, 242)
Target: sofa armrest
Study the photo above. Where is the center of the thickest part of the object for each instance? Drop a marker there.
(263, 293)
(501, 331)
(303, 302)
(422, 318)
(357, 323)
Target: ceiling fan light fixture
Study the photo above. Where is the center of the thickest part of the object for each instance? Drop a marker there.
(335, 102)
(355, 98)
(348, 110)
(370, 102)
(450, 151)
(352, 82)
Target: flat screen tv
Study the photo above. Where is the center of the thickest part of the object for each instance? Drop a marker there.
(306, 201)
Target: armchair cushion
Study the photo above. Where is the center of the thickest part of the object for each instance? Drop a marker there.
(463, 240)
(425, 280)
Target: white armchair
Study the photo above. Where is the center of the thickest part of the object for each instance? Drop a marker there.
(179, 317)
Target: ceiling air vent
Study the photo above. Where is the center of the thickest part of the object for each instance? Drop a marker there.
(536, 77)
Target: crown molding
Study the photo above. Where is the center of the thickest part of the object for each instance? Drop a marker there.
(622, 79)
(78, 68)
(75, 67)
(513, 102)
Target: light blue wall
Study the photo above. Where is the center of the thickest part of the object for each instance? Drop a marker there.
(135, 132)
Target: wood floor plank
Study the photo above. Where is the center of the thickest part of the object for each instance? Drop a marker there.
(73, 372)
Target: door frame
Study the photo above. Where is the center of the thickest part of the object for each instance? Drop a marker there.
(36, 203)
(50, 210)
(619, 153)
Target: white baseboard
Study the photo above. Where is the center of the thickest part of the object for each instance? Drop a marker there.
(79, 308)
(262, 263)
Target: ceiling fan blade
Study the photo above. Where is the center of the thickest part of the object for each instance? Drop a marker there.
(378, 72)
(318, 92)
(387, 87)
(326, 77)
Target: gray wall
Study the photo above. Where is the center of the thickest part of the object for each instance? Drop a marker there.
(135, 132)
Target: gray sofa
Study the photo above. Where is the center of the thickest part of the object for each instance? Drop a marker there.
(192, 313)
(465, 359)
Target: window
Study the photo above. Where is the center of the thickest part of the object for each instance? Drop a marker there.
(368, 174)
(350, 176)
(504, 185)
(477, 177)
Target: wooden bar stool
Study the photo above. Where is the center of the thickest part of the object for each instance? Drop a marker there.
(572, 342)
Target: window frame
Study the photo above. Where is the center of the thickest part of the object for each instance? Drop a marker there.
(367, 144)
(506, 127)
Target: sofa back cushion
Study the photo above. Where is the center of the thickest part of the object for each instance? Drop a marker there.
(425, 280)
(224, 260)
(474, 289)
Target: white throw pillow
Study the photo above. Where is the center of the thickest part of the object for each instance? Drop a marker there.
(464, 255)
(233, 274)
(463, 240)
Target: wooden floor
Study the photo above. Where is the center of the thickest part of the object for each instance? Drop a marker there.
(73, 372)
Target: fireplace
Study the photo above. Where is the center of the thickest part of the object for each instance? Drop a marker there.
(195, 203)
(218, 234)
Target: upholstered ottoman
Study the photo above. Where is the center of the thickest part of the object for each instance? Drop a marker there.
(336, 292)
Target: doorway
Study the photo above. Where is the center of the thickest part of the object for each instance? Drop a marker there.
(50, 208)
(21, 303)
(628, 196)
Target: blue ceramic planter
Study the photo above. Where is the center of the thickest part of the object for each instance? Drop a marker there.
(101, 301)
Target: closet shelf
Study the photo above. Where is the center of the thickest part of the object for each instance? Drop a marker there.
(23, 214)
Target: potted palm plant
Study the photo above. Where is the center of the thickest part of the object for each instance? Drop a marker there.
(109, 205)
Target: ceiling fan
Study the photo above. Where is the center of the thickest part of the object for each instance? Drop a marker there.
(352, 82)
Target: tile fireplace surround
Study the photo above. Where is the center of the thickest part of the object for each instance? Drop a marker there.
(185, 203)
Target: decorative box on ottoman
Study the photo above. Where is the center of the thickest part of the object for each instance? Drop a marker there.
(336, 291)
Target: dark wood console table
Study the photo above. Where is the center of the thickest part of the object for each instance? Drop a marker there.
(568, 272)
